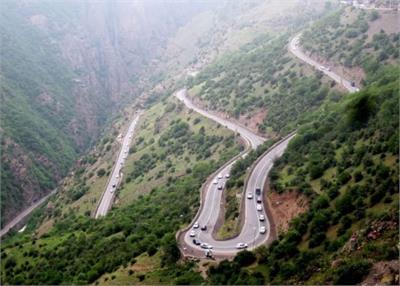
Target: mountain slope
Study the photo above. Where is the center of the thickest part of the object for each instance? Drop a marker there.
(66, 68)
(346, 161)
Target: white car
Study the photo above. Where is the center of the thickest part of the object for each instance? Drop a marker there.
(196, 224)
(249, 195)
(261, 217)
(219, 177)
(206, 246)
(192, 233)
(262, 229)
(220, 187)
(241, 245)
(227, 176)
(259, 207)
(215, 182)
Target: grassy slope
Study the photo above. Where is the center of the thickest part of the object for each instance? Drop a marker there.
(346, 161)
(259, 77)
(355, 38)
(169, 160)
(69, 251)
(32, 124)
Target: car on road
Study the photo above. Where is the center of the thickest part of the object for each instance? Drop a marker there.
(204, 227)
(249, 195)
(114, 185)
(219, 176)
(353, 83)
(196, 224)
(206, 245)
(261, 217)
(259, 207)
(227, 176)
(215, 182)
(259, 200)
(262, 229)
(196, 242)
(192, 233)
(258, 191)
(220, 187)
(241, 245)
(112, 191)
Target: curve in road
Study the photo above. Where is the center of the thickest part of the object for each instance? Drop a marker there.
(116, 175)
(294, 48)
(210, 208)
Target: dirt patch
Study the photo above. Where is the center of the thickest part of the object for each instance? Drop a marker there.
(253, 120)
(44, 228)
(286, 206)
(388, 21)
(383, 273)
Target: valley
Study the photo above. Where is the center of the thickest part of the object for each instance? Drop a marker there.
(219, 144)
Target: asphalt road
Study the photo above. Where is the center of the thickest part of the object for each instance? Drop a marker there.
(116, 175)
(295, 49)
(24, 214)
(253, 139)
(210, 209)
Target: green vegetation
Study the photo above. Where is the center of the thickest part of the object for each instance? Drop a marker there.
(176, 139)
(234, 190)
(68, 252)
(258, 77)
(345, 38)
(352, 221)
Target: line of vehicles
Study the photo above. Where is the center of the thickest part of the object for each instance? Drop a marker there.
(240, 245)
(259, 207)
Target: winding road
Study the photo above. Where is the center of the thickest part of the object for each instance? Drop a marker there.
(295, 49)
(212, 198)
(209, 211)
(116, 175)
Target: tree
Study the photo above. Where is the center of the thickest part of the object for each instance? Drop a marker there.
(171, 253)
(351, 272)
(101, 172)
(245, 258)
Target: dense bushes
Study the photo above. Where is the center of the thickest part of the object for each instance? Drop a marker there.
(341, 206)
(260, 78)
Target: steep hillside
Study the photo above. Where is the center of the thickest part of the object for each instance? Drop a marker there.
(66, 68)
(252, 83)
(76, 241)
(346, 161)
(353, 42)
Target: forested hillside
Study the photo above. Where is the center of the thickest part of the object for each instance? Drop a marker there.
(257, 79)
(70, 76)
(65, 71)
(37, 109)
(346, 161)
(145, 228)
(354, 42)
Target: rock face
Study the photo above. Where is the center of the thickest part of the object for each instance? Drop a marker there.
(68, 65)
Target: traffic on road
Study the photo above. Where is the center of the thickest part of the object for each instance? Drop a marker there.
(256, 227)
